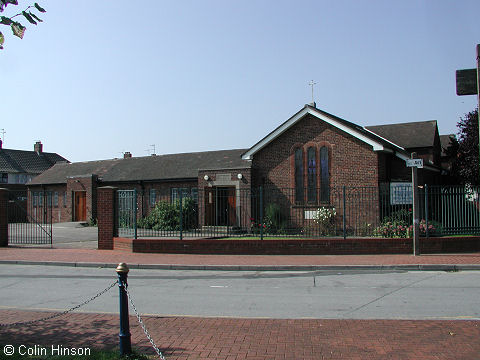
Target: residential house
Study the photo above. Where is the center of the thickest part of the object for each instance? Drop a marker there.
(17, 167)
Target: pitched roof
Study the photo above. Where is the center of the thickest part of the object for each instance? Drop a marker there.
(445, 141)
(159, 167)
(30, 162)
(59, 173)
(377, 142)
(408, 135)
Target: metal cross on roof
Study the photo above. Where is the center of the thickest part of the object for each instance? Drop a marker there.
(312, 84)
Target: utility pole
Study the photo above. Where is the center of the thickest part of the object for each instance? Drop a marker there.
(478, 106)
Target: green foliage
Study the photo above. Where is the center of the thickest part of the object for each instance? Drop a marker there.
(275, 220)
(464, 152)
(399, 225)
(17, 28)
(94, 355)
(324, 217)
(166, 216)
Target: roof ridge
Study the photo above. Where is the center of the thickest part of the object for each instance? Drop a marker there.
(404, 123)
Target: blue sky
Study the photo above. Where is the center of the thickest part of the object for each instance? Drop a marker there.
(99, 78)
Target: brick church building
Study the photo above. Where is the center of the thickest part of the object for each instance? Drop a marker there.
(302, 161)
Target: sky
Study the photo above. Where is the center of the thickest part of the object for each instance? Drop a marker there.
(96, 79)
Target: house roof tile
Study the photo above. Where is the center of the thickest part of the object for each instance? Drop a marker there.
(147, 168)
(29, 162)
(408, 135)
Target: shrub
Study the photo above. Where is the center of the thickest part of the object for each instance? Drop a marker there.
(392, 229)
(274, 218)
(324, 217)
(166, 216)
(399, 225)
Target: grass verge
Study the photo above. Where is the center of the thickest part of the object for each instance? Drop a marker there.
(94, 355)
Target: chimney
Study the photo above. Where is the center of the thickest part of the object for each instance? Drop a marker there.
(1, 143)
(38, 147)
(127, 155)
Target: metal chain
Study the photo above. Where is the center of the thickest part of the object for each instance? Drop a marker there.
(62, 313)
(149, 337)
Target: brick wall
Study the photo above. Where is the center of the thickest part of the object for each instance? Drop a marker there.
(106, 217)
(351, 162)
(3, 217)
(350, 246)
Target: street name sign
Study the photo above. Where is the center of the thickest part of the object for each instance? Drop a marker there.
(418, 163)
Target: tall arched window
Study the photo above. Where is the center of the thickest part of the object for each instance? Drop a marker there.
(312, 175)
(324, 175)
(299, 175)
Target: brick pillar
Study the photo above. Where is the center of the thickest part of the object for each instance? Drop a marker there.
(3, 217)
(106, 217)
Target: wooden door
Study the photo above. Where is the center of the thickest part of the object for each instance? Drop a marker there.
(232, 208)
(80, 206)
(209, 206)
(220, 206)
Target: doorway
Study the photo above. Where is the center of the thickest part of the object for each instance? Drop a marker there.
(80, 213)
(220, 206)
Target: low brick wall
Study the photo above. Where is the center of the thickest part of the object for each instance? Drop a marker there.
(350, 246)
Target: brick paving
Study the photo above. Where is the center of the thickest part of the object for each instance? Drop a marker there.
(182, 338)
(185, 338)
(115, 256)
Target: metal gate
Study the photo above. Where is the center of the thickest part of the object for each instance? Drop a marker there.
(29, 222)
(127, 213)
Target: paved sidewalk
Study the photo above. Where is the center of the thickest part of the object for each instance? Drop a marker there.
(184, 338)
(255, 339)
(88, 257)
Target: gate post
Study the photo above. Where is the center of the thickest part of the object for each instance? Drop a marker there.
(3, 217)
(107, 225)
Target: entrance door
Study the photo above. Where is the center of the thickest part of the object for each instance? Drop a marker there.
(80, 206)
(220, 206)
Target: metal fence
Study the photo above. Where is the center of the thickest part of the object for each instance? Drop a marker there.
(384, 211)
(30, 222)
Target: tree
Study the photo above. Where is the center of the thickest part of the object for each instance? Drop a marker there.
(464, 152)
(17, 28)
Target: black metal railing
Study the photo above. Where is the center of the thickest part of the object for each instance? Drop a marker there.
(30, 221)
(384, 211)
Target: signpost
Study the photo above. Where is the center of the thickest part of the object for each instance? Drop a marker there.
(468, 83)
(418, 163)
(415, 164)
